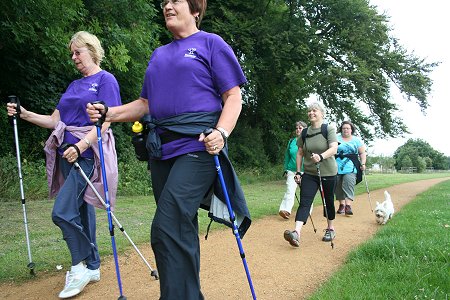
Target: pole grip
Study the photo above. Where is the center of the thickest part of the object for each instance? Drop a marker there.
(102, 119)
(15, 99)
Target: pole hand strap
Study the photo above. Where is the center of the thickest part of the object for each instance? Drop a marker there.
(102, 119)
(65, 146)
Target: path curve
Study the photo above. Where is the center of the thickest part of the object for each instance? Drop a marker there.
(278, 270)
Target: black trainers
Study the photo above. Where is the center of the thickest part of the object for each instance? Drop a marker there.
(329, 235)
(348, 210)
(292, 238)
(341, 209)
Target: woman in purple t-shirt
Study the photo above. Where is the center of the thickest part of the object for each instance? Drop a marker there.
(196, 77)
(71, 125)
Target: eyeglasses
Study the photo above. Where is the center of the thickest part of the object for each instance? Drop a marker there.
(77, 52)
(173, 2)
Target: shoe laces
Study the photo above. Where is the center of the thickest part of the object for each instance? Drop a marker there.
(69, 278)
(328, 231)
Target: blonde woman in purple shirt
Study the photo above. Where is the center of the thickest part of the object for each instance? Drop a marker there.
(74, 212)
(190, 83)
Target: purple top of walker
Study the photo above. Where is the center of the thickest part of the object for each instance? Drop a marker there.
(190, 75)
(101, 86)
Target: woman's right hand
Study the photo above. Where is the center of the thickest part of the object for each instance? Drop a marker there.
(12, 109)
(94, 111)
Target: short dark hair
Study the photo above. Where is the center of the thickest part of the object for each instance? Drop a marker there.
(348, 123)
(197, 6)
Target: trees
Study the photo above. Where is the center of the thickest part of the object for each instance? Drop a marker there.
(419, 154)
(340, 51)
(36, 64)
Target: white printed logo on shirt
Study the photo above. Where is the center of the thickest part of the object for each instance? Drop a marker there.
(93, 87)
(191, 53)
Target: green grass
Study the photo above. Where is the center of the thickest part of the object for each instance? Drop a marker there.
(135, 214)
(407, 259)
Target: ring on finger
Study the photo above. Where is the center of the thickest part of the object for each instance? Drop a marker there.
(215, 147)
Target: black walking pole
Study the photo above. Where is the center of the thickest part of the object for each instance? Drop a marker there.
(367, 189)
(14, 99)
(98, 125)
(153, 272)
(310, 217)
(232, 218)
(323, 197)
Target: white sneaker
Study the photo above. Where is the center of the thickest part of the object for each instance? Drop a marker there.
(75, 283)
(95, 275)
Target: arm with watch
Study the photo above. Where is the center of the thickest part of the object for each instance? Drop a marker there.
(362, 156)
(298, 162)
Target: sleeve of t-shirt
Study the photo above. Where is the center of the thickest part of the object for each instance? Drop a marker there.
(359, 142)
(332, 137)
(226, 71)
(144, 91)
(109, 91)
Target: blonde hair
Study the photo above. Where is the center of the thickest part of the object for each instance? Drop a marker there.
(91, 42)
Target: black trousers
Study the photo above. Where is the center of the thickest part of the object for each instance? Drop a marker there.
(308, 189)
(179, 185)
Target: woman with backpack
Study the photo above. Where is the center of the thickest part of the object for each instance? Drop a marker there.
(316, 148)
(290, 168)
(351, 161)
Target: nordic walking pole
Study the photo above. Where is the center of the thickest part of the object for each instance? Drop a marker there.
(367, 189)
(323, 197)
(310, 217)
(14, 99)
(232, 218)
(98, 125)
(153, 272)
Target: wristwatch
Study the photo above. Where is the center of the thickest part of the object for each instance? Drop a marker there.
(223, 132)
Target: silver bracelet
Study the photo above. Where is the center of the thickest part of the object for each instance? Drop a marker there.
(88, 142)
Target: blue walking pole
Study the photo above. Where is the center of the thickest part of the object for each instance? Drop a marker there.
(98, 125)
(232, 218)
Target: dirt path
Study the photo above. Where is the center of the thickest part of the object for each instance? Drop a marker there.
(278, 270)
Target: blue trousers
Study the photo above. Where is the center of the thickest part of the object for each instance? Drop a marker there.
(179, 185)
(74, 216)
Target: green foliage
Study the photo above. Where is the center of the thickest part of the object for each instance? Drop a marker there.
(36, 60)
(418, 153)
(385, 162)
(340, 51)
(33, 179)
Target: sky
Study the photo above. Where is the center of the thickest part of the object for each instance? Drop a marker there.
(422, 29)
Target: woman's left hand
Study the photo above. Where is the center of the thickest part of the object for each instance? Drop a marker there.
(70, 154)
(214, 142)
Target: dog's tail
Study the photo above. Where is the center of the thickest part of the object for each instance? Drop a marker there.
(387, 196)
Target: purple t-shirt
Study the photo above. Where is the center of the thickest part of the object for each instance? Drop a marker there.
(190, 75)
(101, 86)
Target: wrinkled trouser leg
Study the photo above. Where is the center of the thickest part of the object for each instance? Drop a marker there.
(179, 184)
(74, 216)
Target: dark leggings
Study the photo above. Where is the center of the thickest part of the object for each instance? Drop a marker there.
(308, 189)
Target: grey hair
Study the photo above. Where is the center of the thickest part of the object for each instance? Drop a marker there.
(318, 106)
(90, 41)
(301, 123)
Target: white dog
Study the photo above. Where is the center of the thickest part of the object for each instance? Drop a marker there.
(384, 211)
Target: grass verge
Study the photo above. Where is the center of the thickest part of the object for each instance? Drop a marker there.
(407, 259)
